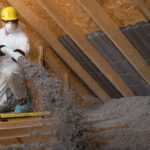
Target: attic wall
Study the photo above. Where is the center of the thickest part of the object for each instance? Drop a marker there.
(122, 12)
(64, 12)
(52, 61)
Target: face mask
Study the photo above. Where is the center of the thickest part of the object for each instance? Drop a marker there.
(10, 27)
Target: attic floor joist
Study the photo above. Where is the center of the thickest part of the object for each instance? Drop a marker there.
(42, 28)
(80, 38)
(113, 32)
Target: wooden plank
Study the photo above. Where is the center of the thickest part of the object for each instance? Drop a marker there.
(113, 32)
(26, 131)
(13, 122)
(23, 115)
(25, 126)
(41, 55)
(24, 123)
(55, 63)
(44, 30)
(78, 36)
(27, 140)
(142, 6)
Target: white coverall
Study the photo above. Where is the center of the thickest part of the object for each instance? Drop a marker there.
(11, 76)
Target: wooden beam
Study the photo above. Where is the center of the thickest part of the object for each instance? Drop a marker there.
(78, 36)
(41, 26)
(17, 140)
(5, 133)
(56, 64)
(103, 20)
(60, 68)
(40, 55)
(21, 122)
(142, 6)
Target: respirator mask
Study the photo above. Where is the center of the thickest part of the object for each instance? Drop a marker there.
(10, 27)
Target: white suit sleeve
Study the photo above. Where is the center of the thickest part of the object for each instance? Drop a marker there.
(24, 45)
(22, 49)
(14, 54)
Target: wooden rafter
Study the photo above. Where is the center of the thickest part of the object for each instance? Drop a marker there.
(93, 8)
(56, 63)
(51, 38)
(79, 37)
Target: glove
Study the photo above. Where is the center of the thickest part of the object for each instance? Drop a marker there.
(12, 53)
(1, 53)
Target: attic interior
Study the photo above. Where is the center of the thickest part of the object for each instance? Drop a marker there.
(100, 50)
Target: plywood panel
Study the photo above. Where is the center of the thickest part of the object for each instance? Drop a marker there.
(143, 6)
(123, 12)
(113, 32)
(73, 13)
(31, 4)
(147, 2)
(80, 38)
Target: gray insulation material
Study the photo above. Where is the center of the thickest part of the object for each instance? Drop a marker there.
(130, 116)
(58, 99)
(120, 64)
(85, 62)
(75, 130)
(139, 36)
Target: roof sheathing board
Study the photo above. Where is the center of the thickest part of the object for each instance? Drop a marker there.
(73, 13)
(85, 62)
(31, 4)
(120, 64)
(123, 12)
(147, 2)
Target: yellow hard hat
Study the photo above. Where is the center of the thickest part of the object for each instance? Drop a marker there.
(9, 14)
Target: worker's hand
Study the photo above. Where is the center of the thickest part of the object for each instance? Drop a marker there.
(12, 53)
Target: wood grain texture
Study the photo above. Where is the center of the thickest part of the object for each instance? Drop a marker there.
(26, 140)
(80, 38)
(60, 68)
(144, 7)
(123, 12)
(37, 41)
(114, 33)
(50, 37)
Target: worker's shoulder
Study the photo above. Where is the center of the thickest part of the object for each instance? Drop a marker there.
(2, 30)
(22, 35)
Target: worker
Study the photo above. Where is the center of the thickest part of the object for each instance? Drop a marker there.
(14, 44)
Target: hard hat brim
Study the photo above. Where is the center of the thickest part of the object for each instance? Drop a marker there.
(6, 20)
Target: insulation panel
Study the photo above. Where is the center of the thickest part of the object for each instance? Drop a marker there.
(89, 66)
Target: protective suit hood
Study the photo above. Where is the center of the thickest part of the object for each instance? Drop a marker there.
(10, 27)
